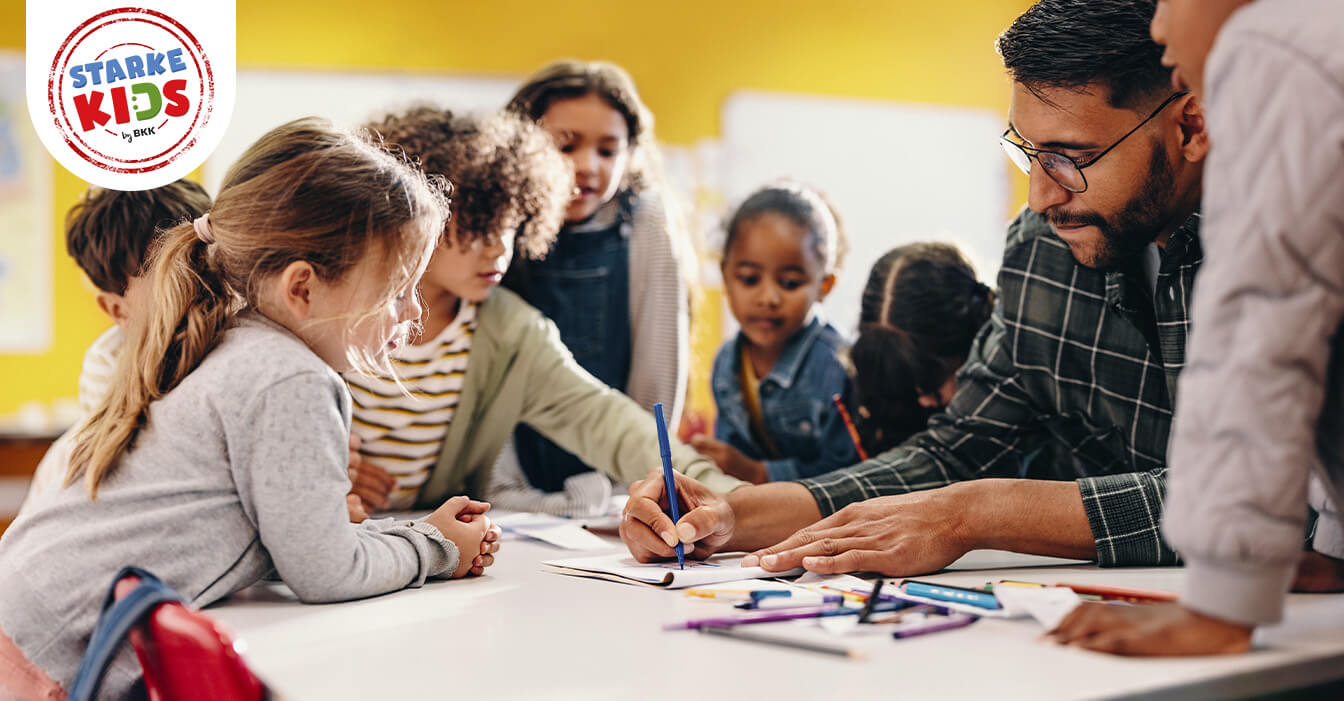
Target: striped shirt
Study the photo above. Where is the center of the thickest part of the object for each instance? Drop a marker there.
(100, 366)
(404, 434)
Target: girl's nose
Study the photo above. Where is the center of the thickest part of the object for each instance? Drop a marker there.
(585, 161)
(771, 295)
(411, 308)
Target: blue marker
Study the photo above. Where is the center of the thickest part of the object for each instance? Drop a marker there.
(944, 592)
(665, 451)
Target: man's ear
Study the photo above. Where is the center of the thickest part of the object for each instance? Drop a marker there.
(930, 401)
(1194, 136)
(296, 285)
(827, 282)
(114, 306)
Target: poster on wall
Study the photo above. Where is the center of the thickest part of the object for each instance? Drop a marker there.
(25, 221)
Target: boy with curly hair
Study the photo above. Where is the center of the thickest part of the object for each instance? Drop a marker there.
(487, 361)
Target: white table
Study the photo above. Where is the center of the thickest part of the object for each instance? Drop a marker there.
(521, 633)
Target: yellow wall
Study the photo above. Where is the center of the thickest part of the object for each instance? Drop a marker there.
(686, 57)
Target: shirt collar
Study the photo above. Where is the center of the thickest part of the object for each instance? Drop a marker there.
(617, 209)
(1182, 247)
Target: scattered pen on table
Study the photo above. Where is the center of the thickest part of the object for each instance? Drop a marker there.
(849, 425)
(783, 642)
(1130, 594)
(873, 597)
(776, 616)
(947, 592)
(937, 625)
(665, 452)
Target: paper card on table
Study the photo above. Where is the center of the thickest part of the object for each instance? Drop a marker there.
(836, 581)
(746, 585)
(623, 568)
(560, 532)
(1048, 605)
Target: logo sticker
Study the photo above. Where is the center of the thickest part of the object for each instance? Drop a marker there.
(134, 97)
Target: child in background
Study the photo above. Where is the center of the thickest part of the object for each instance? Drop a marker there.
(773, 384)
(219, 454)
(921, 309)
(108, 233)
(487, 361)
(615, 282)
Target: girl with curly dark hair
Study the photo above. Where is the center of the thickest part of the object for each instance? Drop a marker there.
(486, 361)
(615, 283)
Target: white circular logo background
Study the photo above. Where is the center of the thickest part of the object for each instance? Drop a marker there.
(131, 97)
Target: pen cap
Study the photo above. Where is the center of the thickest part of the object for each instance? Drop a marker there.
(664, 448)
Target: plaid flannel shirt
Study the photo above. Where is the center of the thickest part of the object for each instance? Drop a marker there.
(1071, 358)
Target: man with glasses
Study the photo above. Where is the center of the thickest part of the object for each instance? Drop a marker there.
(1082, 351)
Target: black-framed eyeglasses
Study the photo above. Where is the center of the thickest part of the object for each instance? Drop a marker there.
(1062, 169)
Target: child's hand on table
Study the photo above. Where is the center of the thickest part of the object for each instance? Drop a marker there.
(355, 508)
(1150, 630)
(730, 459)
(464, 522)
(372, 484)
(1319, 574)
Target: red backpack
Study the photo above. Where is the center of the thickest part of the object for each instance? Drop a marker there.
(183, 653)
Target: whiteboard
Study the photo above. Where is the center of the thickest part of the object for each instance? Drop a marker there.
(267, 99)
(898, 173)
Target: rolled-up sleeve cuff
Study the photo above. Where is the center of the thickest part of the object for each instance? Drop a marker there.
(1124, 512)
(781, 470)
(1241, 593)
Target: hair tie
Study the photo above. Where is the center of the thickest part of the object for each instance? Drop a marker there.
(203, 231)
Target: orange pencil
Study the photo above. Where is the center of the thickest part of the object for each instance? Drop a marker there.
(849, 424)
(1121, 593)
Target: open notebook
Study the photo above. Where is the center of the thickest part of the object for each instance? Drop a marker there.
(623, 568)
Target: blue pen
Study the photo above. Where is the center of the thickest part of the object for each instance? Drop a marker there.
(943, 592)
(665, 451)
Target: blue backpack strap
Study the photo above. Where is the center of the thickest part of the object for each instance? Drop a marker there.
(114, 622)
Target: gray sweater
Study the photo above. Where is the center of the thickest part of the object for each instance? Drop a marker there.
(240, 469)
(1261, 409)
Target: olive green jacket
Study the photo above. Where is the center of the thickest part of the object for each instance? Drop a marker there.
(518, 371)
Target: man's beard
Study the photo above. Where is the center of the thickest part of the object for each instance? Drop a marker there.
(1136, 225)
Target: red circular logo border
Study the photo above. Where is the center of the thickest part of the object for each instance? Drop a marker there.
(202, 114)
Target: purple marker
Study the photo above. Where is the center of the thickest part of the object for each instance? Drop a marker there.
(959, 620)
(772, 617)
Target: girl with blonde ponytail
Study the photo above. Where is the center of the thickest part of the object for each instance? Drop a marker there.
(220, 453)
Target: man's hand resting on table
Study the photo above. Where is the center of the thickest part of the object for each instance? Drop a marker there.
(899, 535)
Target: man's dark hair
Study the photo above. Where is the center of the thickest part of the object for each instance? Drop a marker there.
(109, 232)
(1073, 43)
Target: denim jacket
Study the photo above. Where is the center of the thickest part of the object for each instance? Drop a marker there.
(795, 401)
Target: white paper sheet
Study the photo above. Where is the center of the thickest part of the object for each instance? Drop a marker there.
(560, 532)
(620, 567)
(1048, 605)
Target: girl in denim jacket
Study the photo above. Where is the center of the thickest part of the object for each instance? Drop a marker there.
(773, 384)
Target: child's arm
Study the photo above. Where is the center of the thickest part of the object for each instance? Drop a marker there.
(601, 426)
(659, 313)
(289, 455)
(586, 494)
